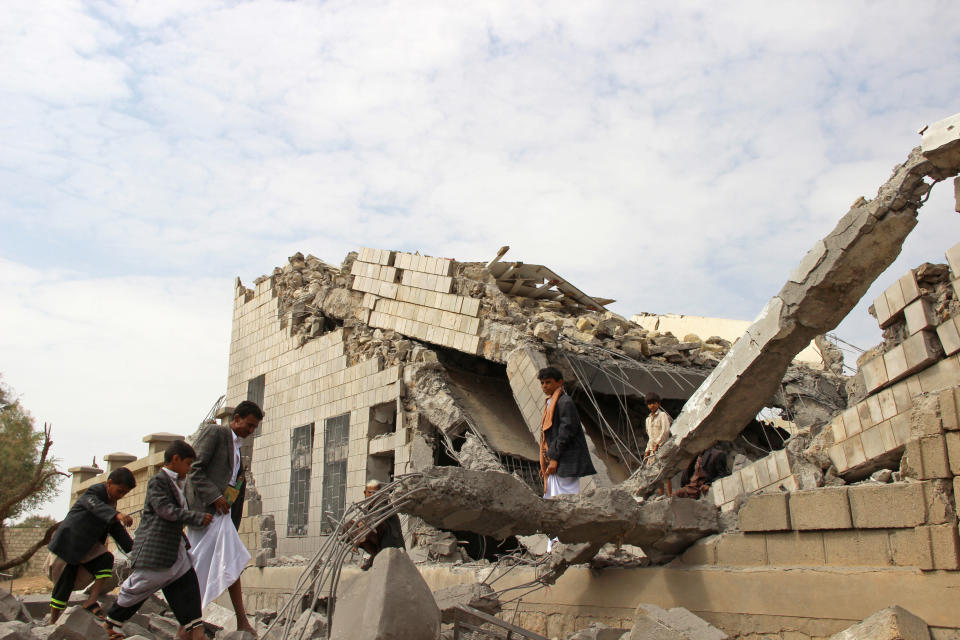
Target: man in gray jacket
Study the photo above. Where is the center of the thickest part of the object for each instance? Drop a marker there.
(215, 483)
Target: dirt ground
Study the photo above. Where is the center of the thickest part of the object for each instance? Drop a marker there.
(29, 584)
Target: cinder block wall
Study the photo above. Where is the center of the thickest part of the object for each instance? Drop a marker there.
(17, 540)
(305, 385)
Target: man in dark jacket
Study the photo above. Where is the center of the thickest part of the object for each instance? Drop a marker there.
(159, 559)
(85, 529)
(388, 533)
(564, 457)
(216, 485)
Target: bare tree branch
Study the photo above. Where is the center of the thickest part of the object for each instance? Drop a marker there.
(26, 555)
(40, 476)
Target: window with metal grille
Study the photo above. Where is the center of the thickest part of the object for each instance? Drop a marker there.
(336, 438)
(255, 393)
(301, 463)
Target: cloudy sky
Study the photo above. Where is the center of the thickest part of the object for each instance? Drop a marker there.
(679, 157)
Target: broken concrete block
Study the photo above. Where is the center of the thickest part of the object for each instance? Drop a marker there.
(941, 143)
(892, 623)
(826, 508)
(945, 546)
(741, 550)
(795, 549)
(919, 315)
(856, 548)
(134, 629)
(600, 631)
(163, 627)
(921, 350)
(246, 635)
(475, 595)
(77, 623)
(874, 373)
(391, 600)
(765, 512)
(949, 334)
(546, 331)
(217, 617)
(652, 622)
(15, 630)
(11, 608)
(310, 625)
(894, 506)
(953, 257)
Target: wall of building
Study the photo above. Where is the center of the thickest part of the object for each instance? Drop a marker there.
(17, 540)
(310, 384)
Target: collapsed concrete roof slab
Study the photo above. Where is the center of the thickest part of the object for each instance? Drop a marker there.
(832, 277)
(500, 505)
(488, 403)
(624, 378)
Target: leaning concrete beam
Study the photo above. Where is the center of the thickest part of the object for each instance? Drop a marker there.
(499, 505)
(829, 281)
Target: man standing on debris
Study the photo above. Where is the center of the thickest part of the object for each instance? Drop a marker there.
(388, 533)
(658, 430)
(215, 485)
(564, 457)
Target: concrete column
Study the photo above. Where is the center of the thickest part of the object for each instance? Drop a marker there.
(118, 459)
(160, 441)
(82, 474)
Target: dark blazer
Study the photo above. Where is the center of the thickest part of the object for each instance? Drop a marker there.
(210, 473)
(566, 442)
(157, 541)
(88, 522)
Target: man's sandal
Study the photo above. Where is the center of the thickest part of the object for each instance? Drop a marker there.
(112, 632)
(96, 610)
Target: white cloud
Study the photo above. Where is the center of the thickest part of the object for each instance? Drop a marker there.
(108, 360)
(681, 158)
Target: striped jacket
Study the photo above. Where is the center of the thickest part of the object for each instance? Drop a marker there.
(157, 541)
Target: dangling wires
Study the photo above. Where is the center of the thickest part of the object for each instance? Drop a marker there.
(323, 570)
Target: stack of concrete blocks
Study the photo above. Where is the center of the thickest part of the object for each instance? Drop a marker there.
(303, 385)
(411, 294)
(929, 337)
(949, 330)
(771, 473)
(907, 524)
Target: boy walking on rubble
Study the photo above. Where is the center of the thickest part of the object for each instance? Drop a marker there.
(564, 457)
(658, 430)
(80, 539)
(159, 558)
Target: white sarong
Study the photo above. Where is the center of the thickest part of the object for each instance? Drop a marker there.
(558, 486)
(218, 556)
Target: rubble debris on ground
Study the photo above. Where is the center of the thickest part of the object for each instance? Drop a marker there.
(475, 595)
(651, 621)
(892, 623)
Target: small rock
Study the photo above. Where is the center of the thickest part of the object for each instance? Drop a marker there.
(883, 475)
(15, 630)
(546, 332)
(892, 623)
(76, 623)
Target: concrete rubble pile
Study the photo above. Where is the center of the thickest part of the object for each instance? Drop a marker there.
(453, 332)
(829, 281)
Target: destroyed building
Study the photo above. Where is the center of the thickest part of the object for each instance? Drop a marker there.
(394, 364)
